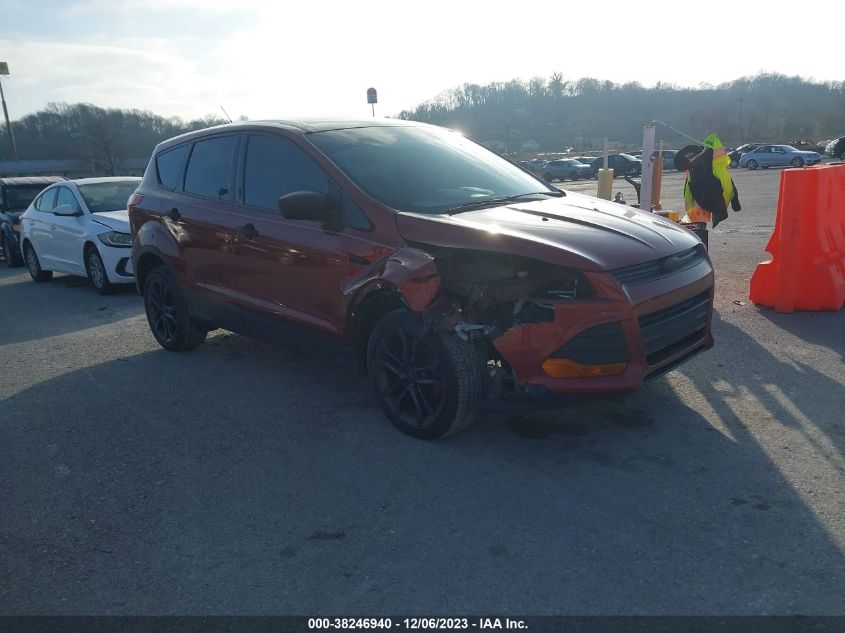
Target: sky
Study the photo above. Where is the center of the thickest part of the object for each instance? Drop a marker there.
(281, 59)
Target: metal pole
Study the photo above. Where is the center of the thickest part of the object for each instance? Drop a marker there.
(647, 175)
(374, 109)
(8, 124)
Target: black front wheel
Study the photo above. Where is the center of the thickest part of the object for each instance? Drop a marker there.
(429, 384)
(168, 313)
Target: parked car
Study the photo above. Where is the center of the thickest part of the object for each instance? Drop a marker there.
(836, 148)
(449, 274)
(736, 154)
(587, 160)
(535, 165)
(564, 168)
(15, 196)
(621, 164)
(81, 227)
(669, 159)
(767, 156)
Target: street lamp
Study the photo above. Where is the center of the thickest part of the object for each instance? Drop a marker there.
(4, 70)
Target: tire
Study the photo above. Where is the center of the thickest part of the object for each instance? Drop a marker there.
(548, 178)
(797, 162)
(97, 272)
(36, 272)
(429, 384)
(734, 164)
(573, 176)
(168, 313)
(752, 164)
(12, 260)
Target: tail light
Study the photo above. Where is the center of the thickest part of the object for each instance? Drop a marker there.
(134, 200)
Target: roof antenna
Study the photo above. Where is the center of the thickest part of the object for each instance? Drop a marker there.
(226, 113)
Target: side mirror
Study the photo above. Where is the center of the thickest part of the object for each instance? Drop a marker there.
(305, 205)
(67, 211)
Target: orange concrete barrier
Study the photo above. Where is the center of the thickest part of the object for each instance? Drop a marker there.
(807, 270)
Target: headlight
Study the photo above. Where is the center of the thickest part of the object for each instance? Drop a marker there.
(113, 238)
(16, 227)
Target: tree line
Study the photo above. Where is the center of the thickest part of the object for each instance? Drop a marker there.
(104, 136)
(557, 112)
(554, 112)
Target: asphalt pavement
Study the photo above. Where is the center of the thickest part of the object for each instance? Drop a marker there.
(243, 478)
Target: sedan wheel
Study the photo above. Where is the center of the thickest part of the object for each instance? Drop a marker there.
(752, 164)
(97, 272)
(797, 162)
(38, 275)
(12, 261)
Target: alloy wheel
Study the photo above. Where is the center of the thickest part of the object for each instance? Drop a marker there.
(95, 269)
(32, 261)
(161, 308)
(410, 377)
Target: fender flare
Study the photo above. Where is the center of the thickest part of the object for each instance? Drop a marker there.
(140, 271)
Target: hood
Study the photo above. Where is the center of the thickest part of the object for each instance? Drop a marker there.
(115, 220)
(575, 230)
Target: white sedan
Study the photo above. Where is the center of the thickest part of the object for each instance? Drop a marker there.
(81, 227)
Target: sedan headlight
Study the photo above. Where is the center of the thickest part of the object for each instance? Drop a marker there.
(115, 238)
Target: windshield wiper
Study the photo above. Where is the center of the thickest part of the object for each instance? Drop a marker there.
(477, 204)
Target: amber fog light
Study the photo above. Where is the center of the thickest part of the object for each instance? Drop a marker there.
(566, 368)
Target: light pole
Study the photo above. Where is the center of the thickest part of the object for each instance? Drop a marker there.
(4, 70)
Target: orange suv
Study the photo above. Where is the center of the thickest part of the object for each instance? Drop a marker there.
(451, 275)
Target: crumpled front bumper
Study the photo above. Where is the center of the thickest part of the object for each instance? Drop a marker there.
(663, 324)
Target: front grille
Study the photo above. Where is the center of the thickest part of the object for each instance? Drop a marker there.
(658, 268)
(600, 345)
(670, 330)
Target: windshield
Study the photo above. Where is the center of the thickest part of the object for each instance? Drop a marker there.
(423, 169)
(102, 197)
(18, 197)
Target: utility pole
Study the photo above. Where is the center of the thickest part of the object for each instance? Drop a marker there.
(4, 70)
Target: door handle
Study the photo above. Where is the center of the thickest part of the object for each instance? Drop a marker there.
(248, 231)
(174, 214)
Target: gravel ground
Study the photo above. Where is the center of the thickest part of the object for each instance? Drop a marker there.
(246, 479)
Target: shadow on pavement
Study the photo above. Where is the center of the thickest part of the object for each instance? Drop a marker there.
(243, 478)
(826, 329)
(63, 305)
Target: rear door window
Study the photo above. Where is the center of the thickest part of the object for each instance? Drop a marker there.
(169, 166)
(209, 171)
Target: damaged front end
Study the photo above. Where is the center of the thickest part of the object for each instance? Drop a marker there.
(513, 309)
